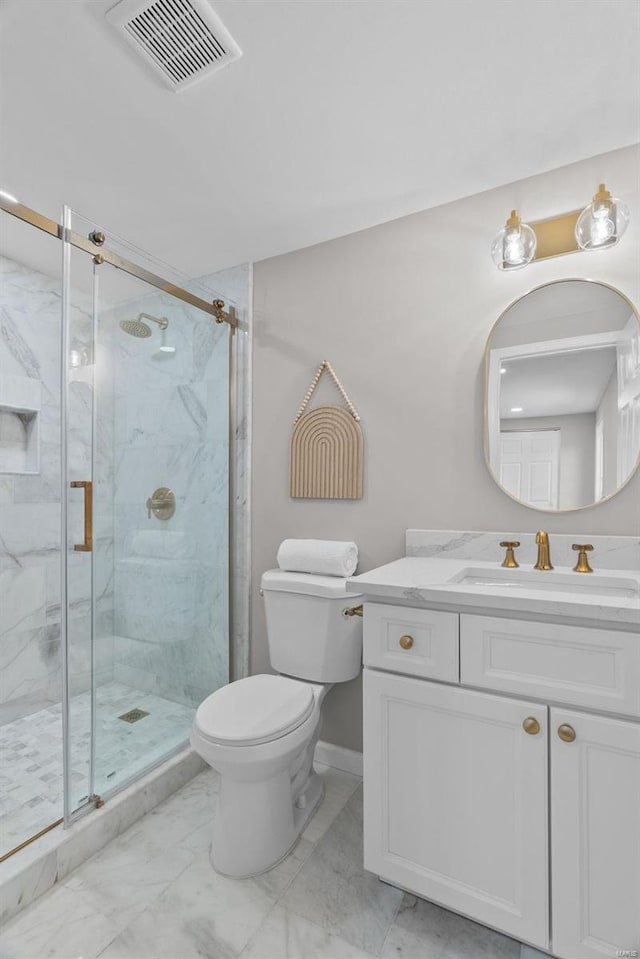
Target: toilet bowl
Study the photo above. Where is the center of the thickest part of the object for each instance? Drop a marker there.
(268, 790)
(260, 733)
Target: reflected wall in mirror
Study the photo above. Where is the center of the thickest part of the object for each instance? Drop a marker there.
(562, 395)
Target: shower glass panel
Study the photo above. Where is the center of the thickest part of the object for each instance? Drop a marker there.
(31, 770)
(79, 376)
(148, 427)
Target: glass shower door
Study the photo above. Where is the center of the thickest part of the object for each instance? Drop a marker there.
(78, 401)
(148, 549)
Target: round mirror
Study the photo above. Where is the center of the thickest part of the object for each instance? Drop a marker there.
(562, 395)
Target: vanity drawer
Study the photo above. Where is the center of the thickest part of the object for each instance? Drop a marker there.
(597, 668)
(421, 642)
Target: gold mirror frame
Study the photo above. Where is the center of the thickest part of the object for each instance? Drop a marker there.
(485, 359)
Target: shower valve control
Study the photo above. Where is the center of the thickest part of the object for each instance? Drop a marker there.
(162, 503)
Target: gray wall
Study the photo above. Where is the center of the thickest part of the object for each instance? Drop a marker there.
(403, 311)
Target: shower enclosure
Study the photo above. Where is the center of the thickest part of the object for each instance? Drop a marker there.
(116, 416)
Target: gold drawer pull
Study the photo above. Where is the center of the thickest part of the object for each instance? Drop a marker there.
(531, 726)
(566, 733)
(406, 642)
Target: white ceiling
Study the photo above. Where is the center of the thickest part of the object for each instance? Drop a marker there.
(561, 384)
(341, 114)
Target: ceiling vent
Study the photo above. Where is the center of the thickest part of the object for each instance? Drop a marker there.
(183, 40)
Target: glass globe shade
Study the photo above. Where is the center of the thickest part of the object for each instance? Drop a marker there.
(602, 223)
(514, 246)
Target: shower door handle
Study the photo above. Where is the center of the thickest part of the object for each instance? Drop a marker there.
(87, 486)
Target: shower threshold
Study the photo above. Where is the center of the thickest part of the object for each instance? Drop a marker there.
(27, 842)
(38, 865)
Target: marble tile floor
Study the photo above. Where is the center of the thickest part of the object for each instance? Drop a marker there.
(152, 894)
(31, 786)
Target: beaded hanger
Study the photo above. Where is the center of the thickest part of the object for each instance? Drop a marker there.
(326, 365)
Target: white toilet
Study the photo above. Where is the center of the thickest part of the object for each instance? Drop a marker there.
(260, 733)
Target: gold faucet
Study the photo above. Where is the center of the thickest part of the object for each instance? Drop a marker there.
(544, 558)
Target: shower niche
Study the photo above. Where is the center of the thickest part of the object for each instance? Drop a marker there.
(20, 400)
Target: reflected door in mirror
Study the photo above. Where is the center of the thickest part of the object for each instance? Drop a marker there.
(530, 466)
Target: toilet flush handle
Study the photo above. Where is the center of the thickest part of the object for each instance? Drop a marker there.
(353, 611)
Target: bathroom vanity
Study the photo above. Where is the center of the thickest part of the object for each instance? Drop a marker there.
(502, 744)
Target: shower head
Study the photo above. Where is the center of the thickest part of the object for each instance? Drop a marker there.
(135, 328)
(139, 328)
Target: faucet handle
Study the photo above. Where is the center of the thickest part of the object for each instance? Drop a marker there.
(510, 561)
(582, 566)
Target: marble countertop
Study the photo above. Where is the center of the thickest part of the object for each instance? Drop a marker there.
(427, 581)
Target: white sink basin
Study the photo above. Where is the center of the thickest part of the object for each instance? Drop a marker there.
(547, 581)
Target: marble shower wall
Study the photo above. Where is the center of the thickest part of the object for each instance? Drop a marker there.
(171, 429)
(30, 531)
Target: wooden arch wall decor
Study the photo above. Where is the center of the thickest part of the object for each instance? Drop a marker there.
(326, 448)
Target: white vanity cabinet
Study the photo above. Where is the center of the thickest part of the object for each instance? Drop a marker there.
(472, 798)
(595, 828)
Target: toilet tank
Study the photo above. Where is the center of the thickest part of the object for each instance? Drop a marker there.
(309, 635)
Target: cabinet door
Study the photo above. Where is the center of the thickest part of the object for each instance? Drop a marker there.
(595, 831)
(456, 800)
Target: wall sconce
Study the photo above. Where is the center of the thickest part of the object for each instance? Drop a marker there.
(598, 227)
(602, 223)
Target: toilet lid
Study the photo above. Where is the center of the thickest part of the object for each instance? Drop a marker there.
(254, 710)
(309, 583)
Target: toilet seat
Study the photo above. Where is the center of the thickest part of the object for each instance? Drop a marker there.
(255, 710)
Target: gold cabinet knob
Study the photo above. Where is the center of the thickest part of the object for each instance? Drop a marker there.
(406, 642)
(531, 725)
(566, 733)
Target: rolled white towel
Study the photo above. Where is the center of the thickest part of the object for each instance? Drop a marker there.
(326, 557)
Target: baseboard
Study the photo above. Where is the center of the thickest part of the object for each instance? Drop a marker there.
(340, 758)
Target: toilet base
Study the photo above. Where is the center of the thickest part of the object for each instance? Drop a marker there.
(314, 794)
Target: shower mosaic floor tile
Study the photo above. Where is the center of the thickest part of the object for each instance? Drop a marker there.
(152, 894)
(31, 753)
